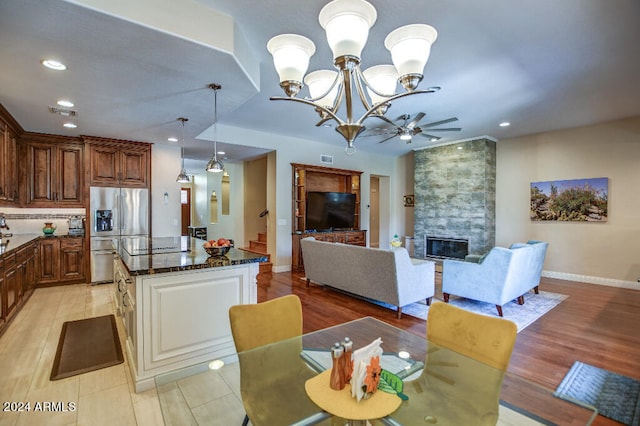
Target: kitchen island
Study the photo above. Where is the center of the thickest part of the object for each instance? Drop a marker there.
(174, 300)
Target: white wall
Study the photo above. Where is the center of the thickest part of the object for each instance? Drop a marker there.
(231, 225)
(293, 150)
(165, 166)
(602, 253)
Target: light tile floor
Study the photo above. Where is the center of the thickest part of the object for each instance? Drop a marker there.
(106, 396)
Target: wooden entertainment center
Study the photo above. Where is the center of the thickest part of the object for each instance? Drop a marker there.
(325, 179)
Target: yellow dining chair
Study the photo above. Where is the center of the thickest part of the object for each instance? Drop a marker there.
(453, 387)
(273, 378)
(481, 337)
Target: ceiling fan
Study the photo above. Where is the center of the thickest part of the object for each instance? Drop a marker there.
(406, 127)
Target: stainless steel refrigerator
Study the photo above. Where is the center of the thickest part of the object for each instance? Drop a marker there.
(115, 213)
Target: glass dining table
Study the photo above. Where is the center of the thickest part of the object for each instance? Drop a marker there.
(443, 387)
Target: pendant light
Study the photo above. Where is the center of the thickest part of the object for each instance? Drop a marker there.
(182, 177)
(214, 165)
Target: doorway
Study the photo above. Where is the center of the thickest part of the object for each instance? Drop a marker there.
(185, 205)
(374, 212)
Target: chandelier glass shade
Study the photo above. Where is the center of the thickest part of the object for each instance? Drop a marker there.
(182, 177)
(347, 24)
(215, 165)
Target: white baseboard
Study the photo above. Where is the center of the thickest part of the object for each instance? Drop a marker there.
(285, 268)
(610, 282)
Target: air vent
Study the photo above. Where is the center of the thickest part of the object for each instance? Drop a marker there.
(326, 159)
(63, 112)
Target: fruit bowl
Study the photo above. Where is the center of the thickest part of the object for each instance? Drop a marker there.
(217, 251)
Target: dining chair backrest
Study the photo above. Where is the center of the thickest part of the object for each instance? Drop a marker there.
(481, 337)
(255, 325)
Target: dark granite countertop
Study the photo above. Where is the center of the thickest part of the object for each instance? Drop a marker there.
(16, 241)
(187, 254)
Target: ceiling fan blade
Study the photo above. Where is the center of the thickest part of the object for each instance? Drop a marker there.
(390, 137)
(415, 120)
(447, 129)
(386, 120)
(437, 123)
(378, 133)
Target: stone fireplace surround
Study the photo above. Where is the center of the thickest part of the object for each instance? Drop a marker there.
(455, 192)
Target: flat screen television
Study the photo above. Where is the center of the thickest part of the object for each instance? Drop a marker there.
(330, 210)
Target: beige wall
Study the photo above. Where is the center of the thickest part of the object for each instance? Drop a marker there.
(255, 201)
(605, 253)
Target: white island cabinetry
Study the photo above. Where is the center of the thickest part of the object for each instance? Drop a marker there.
(177, 316)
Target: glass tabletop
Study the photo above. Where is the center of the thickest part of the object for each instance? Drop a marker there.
(443, 387)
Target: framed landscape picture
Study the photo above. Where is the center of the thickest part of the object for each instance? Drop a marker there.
(575, 200)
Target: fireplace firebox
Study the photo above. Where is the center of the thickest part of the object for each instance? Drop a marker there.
(441, 247)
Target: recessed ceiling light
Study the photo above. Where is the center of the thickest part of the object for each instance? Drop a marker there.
(505, 124)
(172, 139)
(65, 103)
(70, 125)
(221, 152)
(54, 65)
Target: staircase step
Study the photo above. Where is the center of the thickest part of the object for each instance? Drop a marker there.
(258, 245)
(262, 237)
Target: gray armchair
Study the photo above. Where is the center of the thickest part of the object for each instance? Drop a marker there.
(503, 275)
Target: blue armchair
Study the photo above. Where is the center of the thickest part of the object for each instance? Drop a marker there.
(503, 275)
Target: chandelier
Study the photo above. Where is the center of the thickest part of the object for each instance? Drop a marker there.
(182, 177)
(214, 165)
(347, 24)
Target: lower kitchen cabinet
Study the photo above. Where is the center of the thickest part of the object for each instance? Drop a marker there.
(61, 261)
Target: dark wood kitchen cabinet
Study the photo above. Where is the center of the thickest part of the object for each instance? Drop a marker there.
(61, 261)
(119, 163)
(17, 280)
(9, 188)
(10, 284)
(55, 171)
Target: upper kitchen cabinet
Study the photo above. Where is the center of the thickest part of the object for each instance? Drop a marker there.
(9, 129)
(118, 163)
(55, 171)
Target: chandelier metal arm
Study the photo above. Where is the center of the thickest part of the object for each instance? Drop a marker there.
(358, 82)
(307, 102)
(375, 107)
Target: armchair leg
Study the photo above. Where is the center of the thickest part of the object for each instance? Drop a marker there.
(446, 297)
(520, 300)
(428, 301)
(399, 312)
(499, 310)
(245, 422)
(536, 290)
(308, 281)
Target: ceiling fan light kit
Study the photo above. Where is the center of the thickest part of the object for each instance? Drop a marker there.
(214, 165)
(347, 24)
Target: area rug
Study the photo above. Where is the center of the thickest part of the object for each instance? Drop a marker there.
(87, 345)
(614, 395)
(535, 306)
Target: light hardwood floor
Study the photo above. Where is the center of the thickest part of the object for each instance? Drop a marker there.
(596, 324)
